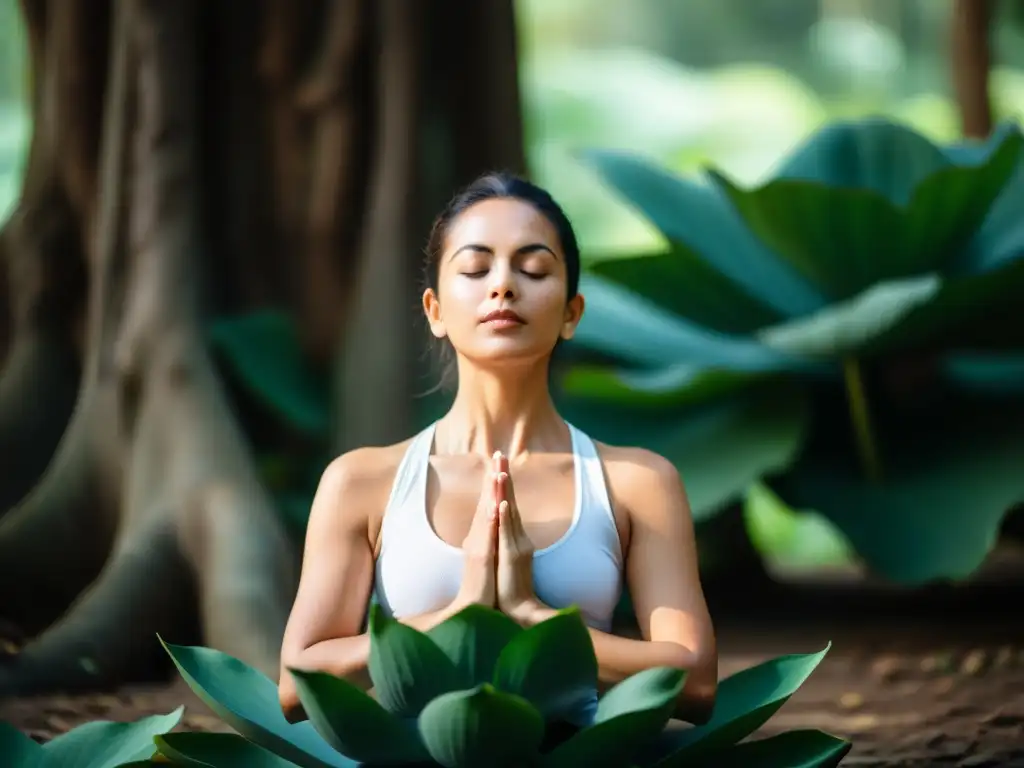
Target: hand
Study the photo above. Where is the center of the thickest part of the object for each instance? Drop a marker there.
(479, 550)
(515, 552)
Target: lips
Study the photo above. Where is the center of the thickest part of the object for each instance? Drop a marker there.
(503, 317)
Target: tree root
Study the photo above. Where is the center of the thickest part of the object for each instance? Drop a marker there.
(38, 388)
(56, 540)
(111, 630)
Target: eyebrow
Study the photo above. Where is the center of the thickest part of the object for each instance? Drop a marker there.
(521, 250)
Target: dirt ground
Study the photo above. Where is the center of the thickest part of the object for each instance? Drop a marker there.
(929, 681)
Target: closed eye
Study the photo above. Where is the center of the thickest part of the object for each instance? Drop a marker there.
(479, 273)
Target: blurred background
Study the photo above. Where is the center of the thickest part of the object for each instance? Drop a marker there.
(804, 244)
(801, 221)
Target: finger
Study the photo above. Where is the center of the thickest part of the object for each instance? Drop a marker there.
(506, 537)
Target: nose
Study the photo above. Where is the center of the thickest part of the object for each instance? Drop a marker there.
(503, 284)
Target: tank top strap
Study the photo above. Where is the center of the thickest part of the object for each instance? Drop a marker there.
(408, 489)
(591, 483)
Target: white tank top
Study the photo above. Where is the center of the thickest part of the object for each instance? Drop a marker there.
(417, 572)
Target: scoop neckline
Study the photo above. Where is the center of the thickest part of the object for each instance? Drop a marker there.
(577, 472)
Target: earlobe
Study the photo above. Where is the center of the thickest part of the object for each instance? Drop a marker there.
(573, 314)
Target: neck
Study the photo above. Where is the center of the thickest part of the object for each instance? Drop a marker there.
(508, 410)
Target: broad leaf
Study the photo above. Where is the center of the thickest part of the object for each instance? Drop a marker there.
(551, 665)
(871, 154)
(17, 748)
(949, 207)
(103, 744)
(625, 325)
(264, 353)
(247, 700)
(671, 386)
(354, 723)
(793, 749)
(216, 750)
(629, 715)
(473, 640)
(719, 449)
(407, 668)
(701, 223)
(744, 703)
(846, 327)
(481, 726)
(1001, 238)
(681, 282)
(945, 489)
(841, 240)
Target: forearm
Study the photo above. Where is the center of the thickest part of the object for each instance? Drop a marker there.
(345, 657)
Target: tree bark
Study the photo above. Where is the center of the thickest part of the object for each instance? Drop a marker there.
(202, 159)
(971, 61)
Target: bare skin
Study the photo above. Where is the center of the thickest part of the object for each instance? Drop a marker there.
(501, 481)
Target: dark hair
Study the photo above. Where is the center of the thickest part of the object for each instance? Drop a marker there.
(495, 186)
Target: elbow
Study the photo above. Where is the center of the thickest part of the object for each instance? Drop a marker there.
(696, 703)
(288, 693)
(288, 698)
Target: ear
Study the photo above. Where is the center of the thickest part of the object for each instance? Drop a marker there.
(432, 309)
(573, 315)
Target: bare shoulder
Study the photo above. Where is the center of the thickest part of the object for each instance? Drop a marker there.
(637, 477)
(354, 488)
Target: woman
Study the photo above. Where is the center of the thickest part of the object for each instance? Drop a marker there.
(501, 502)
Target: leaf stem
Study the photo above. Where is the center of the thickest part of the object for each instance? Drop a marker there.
(860, 416)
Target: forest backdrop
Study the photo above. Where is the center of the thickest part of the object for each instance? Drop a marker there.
(213, 220)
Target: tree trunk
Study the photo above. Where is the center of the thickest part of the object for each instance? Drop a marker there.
(202, 159)
(971, 61)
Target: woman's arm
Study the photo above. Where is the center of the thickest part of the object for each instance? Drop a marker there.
(323, 631)
(664, 583)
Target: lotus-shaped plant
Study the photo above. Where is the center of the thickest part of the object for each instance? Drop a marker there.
(478, 690)
(99, 744)
(846, 330)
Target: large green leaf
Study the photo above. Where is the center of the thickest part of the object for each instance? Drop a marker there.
(551, 665)
(683, 283)
(719, 449)
(623, 324)
(793, 749)
(17, 748)
(697, 218)
(846, 327)
(841, 240)
(354, 723)
(473, 640)
(247, 700)
(216, 750)
(871, 154)
(846, 239)
(1001, 238)
(949, 208)
(668, 387)
(629, 715)
(263, 351)
(744, 703)
(103, 744)
(481, 726)
(407, 668)
(945, 489)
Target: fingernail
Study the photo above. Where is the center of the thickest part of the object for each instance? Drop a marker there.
(496, 455)
(503, 476)
(504, 508)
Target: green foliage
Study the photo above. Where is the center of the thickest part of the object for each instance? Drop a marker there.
(862, 297)
(263, 353)
(479, 690)
(99, 744)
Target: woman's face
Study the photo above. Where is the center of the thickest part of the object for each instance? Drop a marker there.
(502, 285)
